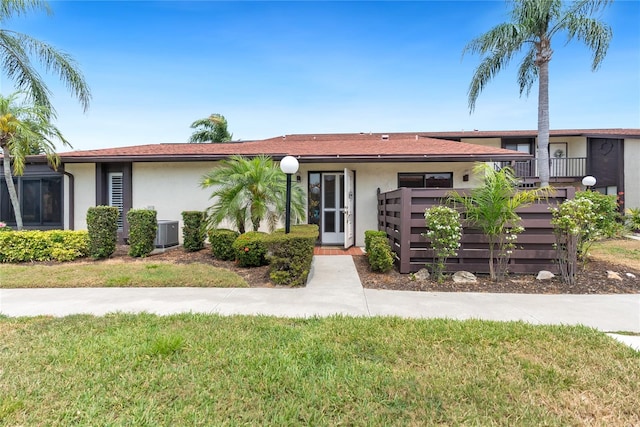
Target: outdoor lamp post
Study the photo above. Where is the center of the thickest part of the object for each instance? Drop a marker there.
(288, 165)
(588, 181)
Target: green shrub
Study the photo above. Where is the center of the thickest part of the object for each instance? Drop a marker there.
(608, 221)
(291, 255)
(4, 227)
(221, 241)
(381, 257)
(193, 230)
(251, 249)
(52, 245)
(574, 224)
(102, 224)
(633, 219)
(368, 235)
(143, 227)
(444, 232)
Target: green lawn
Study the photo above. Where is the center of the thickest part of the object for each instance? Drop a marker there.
(619, 251)
(211, 370)
(113, 273)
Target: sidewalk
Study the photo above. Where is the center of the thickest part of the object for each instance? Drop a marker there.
(334, 288)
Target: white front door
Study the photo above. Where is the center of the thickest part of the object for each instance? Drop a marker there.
(349, 235)
(332, 223)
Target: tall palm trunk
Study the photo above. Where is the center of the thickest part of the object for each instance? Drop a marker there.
(6, 162)
(542, 62)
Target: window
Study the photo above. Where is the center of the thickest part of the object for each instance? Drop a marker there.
(116, 195)
(522, 145)
(426, 180)
(40, 201)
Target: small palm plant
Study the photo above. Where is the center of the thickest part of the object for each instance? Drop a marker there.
(492, 208)
(250, 190)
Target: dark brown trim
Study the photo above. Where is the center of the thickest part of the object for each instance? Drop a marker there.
(100, 185)
(72, 200)
(127, 176)
(621, 187)
(102, 198)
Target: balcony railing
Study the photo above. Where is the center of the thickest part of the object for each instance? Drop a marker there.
(570, 167)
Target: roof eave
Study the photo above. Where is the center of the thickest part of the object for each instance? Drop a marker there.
(303, 158)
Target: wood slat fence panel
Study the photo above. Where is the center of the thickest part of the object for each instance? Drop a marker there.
(401, 216)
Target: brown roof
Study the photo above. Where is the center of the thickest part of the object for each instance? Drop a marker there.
(611, 133)
(376, 147)
(327, 147)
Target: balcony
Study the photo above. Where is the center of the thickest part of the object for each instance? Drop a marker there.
(560, 169)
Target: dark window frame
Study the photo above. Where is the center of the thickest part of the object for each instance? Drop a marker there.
(531, 142)
(423, 178)
(42, 205)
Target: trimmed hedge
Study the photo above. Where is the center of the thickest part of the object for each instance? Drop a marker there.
(291, 255)
(143, 227)
(52, 245)
(380, 256)
(102, 225)
(221, 241)
(370, 234)
(250, 249)
(193, 230)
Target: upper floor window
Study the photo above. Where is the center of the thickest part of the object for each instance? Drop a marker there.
(426, 180)
(522, 145)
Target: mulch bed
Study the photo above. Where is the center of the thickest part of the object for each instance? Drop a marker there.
(590, 280)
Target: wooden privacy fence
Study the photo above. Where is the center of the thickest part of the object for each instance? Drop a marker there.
(401, 216)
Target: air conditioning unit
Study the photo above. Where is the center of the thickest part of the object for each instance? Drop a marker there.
(167, 234)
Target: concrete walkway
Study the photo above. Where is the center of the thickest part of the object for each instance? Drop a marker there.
(334, 288)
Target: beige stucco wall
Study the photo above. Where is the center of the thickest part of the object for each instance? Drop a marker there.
(632, 173)
(371, 176)
(84, 179)
(170, 188)
(487, 142)
(174, 187)
(576, 146)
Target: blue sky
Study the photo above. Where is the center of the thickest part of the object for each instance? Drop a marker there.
(275, 68)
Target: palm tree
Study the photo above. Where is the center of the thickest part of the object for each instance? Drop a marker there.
(17, 49)
(24, 126)
(211, 129)
(534, 24)
(250, 190)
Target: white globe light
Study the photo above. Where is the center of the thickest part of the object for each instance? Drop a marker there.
(588, 181)
(289, 165)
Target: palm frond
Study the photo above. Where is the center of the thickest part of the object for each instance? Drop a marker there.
(253, 189)
(12, 8)
(62, 64)
(497, 46)
(17, 67)
(595, 34)
(210, 129)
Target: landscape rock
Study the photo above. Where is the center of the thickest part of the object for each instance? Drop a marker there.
(464, 277)
(631, 275)
(613, 275)
(545, 275)
(422, 275)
